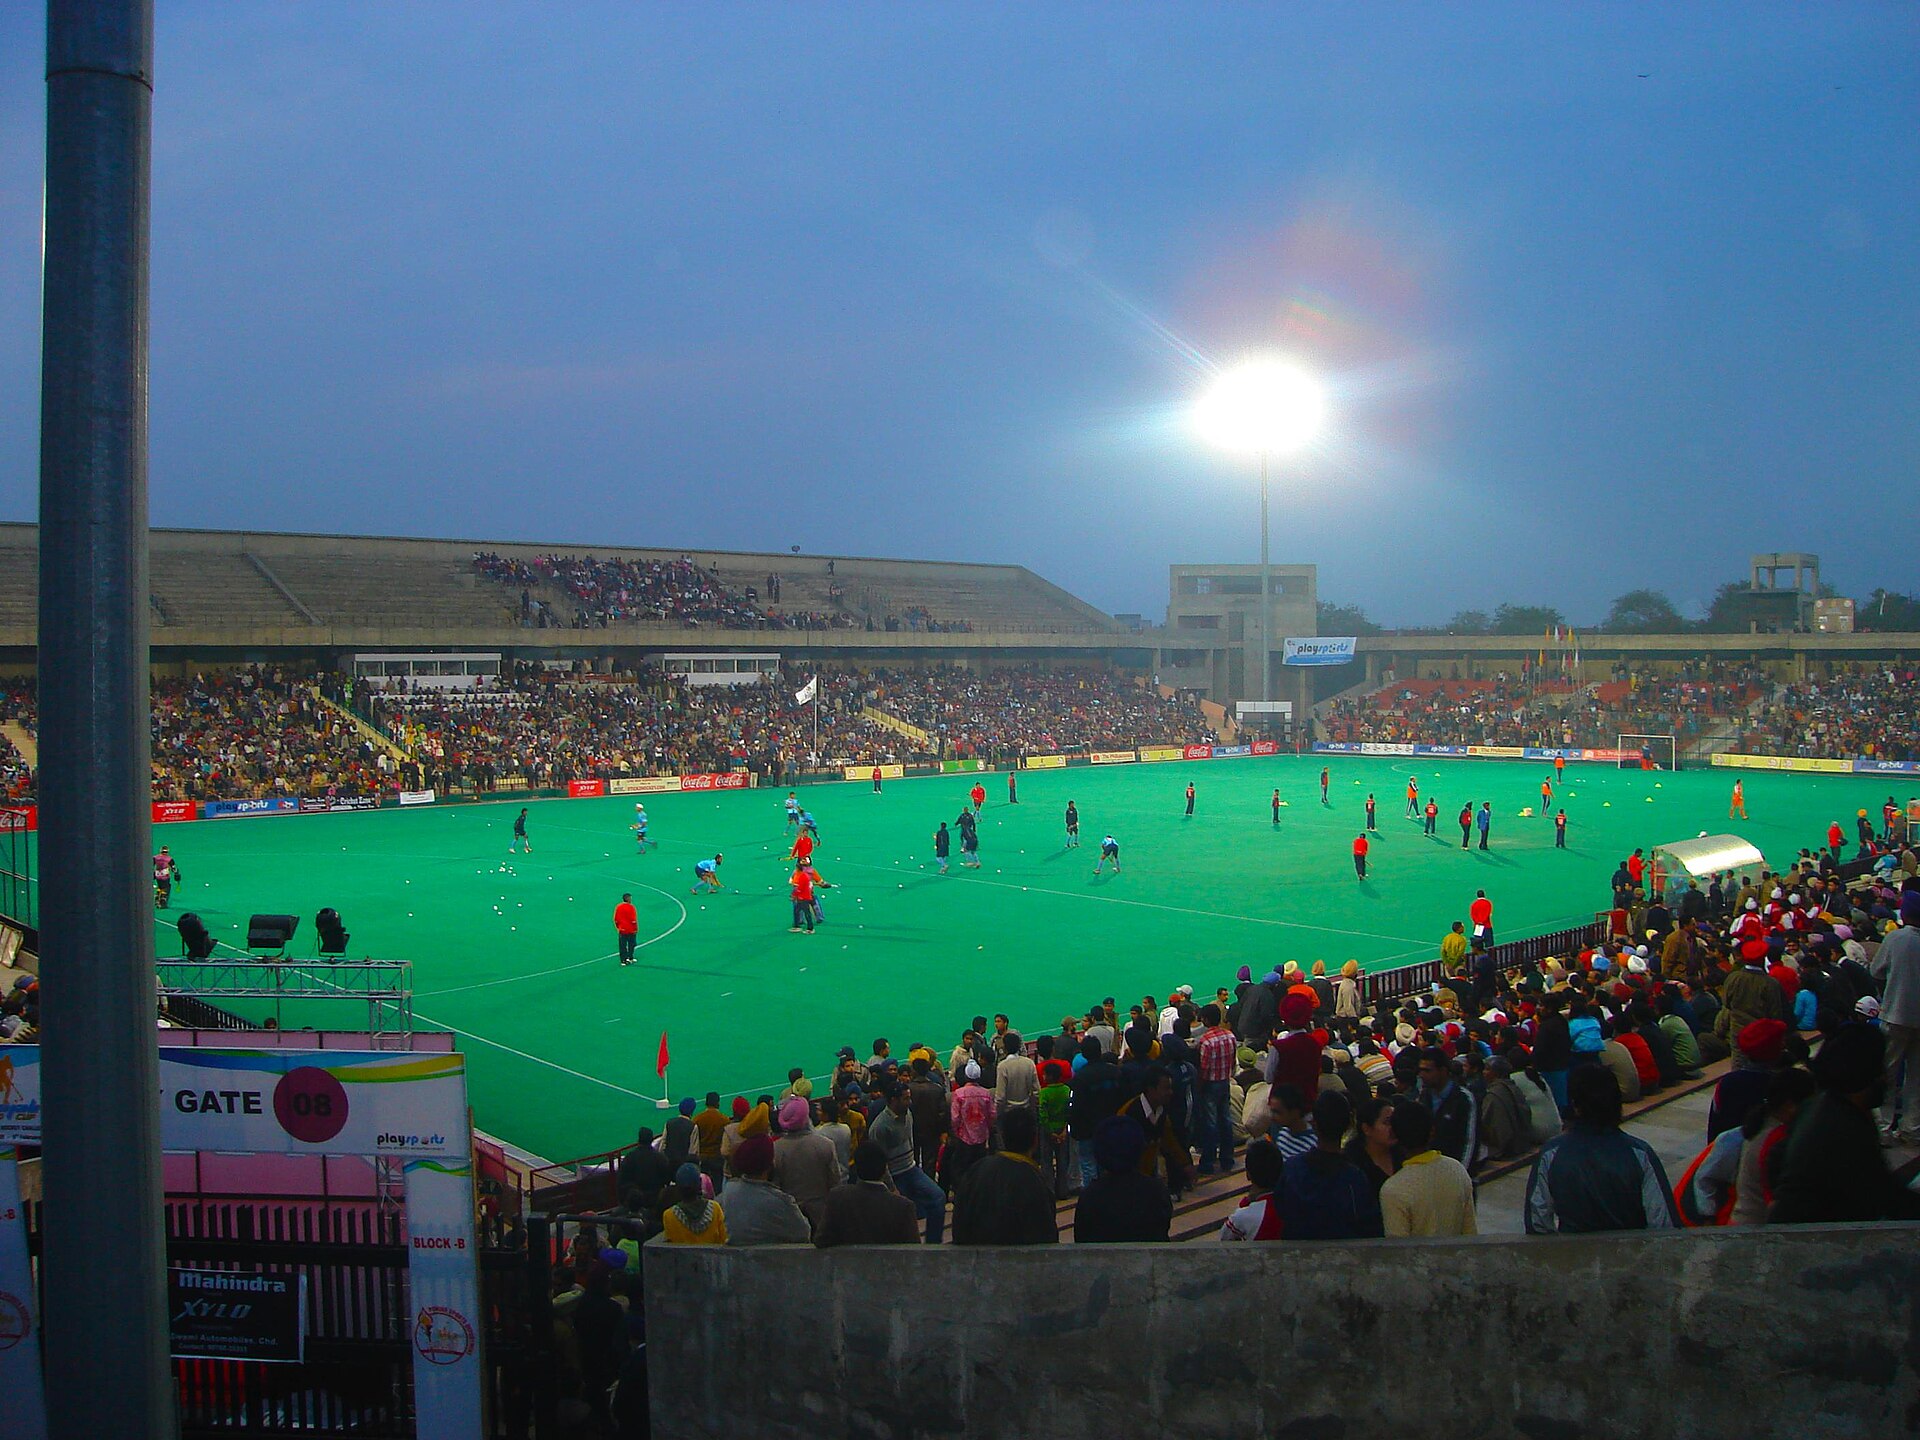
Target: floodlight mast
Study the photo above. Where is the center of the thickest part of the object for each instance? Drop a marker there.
(1268, 406)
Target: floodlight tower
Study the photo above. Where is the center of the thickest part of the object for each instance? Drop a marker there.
(1271, 407)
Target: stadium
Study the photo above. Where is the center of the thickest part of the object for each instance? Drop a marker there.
(347, 729)
(650, 788)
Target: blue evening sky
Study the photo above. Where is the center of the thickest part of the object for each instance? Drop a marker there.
(1607, 295)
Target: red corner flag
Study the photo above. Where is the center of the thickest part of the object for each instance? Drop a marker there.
(660, 1065)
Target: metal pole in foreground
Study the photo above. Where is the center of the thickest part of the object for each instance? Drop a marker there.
(1266, 596)
(104, 1239)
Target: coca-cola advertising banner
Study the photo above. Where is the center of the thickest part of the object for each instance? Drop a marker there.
(713, 782)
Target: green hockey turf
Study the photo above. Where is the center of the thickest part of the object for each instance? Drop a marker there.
(516, 953)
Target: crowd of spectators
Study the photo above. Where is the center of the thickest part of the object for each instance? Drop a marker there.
(264, 731)
(1540, 707)
(1502, 711)
(919, 618)
(17, 707)
(258, 731)
(1872, 712)
(621, 592)
(1002, 713)
(551, 727)
(603, 592)
(546, 728)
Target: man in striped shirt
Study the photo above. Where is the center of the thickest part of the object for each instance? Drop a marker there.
(1292, 1129)
(1214, 1123)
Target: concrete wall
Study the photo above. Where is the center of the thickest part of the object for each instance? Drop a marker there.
(1809, 1332)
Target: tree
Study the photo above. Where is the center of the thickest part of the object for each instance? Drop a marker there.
(1643, 612)
(1344, 620)
(1887, 610)
(1469, 622)
(1526, 619)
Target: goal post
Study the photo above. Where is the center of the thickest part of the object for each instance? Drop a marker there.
(1648, 752)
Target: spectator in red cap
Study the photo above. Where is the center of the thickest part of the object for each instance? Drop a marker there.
(1749, 993)
(1760, 1048)
(1294, 1059)
(758, 1211)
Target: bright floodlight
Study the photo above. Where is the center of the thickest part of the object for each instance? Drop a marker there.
(1269, 407)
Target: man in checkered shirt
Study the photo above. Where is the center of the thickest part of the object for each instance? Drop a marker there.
(1213, 1125)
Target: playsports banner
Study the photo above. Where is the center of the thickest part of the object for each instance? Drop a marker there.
(961, 767)
(1319, 650)
(865, 772)
(1150, 754)
(229, 809)
(1044, 762)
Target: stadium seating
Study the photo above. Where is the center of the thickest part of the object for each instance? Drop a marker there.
(1700, 705)
(1870, 712)
(204, 590)
(421, 592)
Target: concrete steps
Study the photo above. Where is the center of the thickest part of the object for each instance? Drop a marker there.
(383, 741)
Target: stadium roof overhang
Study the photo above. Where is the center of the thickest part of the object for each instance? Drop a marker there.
(1710, 854)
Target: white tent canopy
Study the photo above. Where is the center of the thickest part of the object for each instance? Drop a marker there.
(1709, 854)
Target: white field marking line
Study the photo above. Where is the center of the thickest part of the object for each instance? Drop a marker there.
(582, 1075)
(522, 1054)
(577, 965)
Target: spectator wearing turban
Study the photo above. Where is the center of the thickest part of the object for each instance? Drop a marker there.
(759, 1212)
(1832, 1170)
(1759, 1050)
(693, 1218)
(805, 1163)
(1749, 993)
(1294, 1059)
